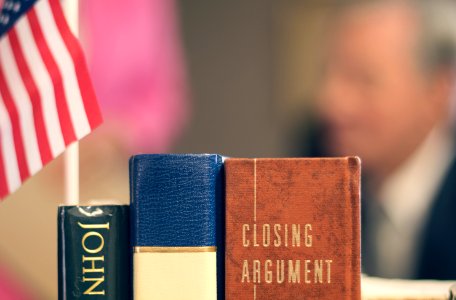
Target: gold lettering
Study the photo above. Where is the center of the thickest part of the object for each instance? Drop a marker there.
(95, 234)
(306, 271)
(267, 271)
(286, 235)
(92, 259)
(245, 241)
(277, 240)
(245, 272)
(255, 244)
(266, 235)
(97, 282)
(308, 236)
(318, 266)
(94, 226)
(280, 271)
(256, 271)
(296, 235)
(294, 273)
(328, 263)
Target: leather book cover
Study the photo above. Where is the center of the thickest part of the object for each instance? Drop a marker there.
(292, 228)
(94, 252)
(177, 226)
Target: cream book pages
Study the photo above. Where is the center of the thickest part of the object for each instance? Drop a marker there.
(373, 288)
(175, 276)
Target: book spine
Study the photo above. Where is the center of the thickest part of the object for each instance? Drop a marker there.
(292, 228)
(94, 252)
(177, 227)
(353, 196)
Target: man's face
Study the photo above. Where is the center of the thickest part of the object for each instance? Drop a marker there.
(374, 99)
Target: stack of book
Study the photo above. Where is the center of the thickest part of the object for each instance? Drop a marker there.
(205, 227)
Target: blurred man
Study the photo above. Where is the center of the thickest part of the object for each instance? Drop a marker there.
(386, 96)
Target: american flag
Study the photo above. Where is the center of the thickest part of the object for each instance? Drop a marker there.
(46, 96)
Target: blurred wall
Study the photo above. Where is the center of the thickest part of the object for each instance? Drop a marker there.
(230, 56)
(252, 68)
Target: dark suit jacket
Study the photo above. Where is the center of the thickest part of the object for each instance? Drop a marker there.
(437, 259)
(436, 249)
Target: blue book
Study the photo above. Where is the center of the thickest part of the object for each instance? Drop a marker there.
(177, 217)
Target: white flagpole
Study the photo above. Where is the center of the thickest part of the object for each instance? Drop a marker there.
(71, 175)
(71, 155)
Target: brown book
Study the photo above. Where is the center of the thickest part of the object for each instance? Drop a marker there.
(292, 228)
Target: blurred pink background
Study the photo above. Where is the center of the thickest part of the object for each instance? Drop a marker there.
(138, 70)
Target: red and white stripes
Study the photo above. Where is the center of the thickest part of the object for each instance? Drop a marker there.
(46, 97)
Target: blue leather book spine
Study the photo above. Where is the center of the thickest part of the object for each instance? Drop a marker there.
(177, 215)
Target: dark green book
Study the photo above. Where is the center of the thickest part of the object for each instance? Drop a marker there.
(94, 252)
